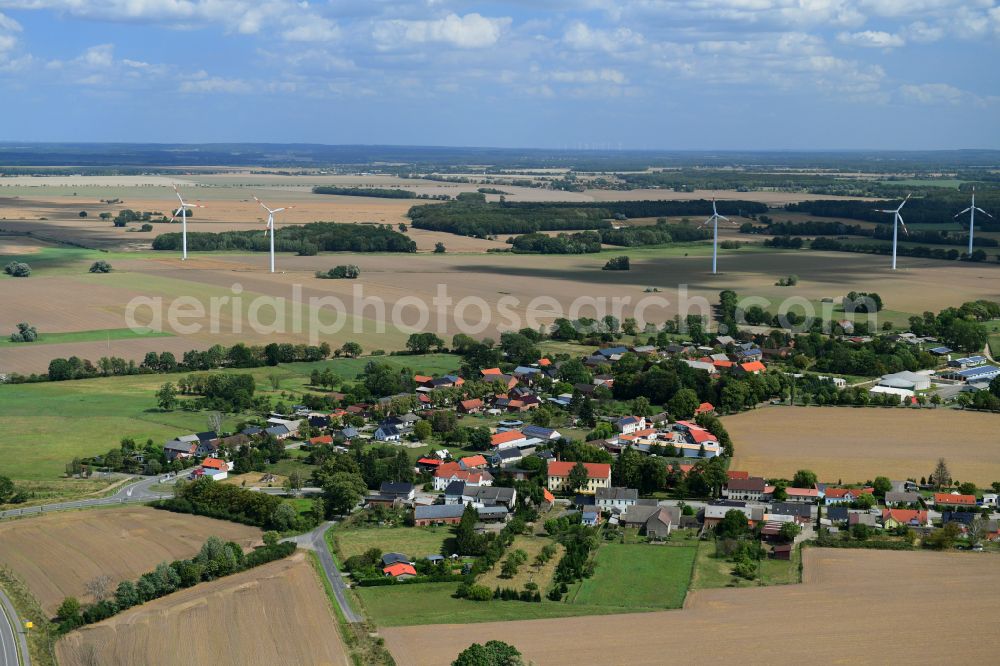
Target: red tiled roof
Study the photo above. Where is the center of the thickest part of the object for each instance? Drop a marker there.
(399, 569)
(544, 362)
(594, 470)
(429, 461)
(754, 366)
(736, 474)
(802, 492)
(486, 372)
(506, 436)
(214, 463)
(422, 379)
(471, 462)
(447, 469)
(946, 498)
(723, 364)
(905, 516)
(475, 403)
(704, 408)
(322, 439)
(547, 496)
(685, 468)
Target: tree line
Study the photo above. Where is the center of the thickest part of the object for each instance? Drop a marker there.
(307, 239)
(216, 559)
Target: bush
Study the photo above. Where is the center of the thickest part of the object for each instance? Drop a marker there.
(17, 269)
(617, 264)
(478, 593)
(25, 333)
(100, 267)
(348, 272)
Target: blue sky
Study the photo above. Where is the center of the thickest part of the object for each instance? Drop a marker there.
(674, 74)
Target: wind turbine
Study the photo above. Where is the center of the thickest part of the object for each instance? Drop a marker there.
(971, 210)
(184, 220)
(896, 221)
(714, 220)
(270, 224)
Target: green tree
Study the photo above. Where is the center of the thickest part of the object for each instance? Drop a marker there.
(166, 397)
(732, 526)
(343, 491)
(577, 477)
(882, 485)
(683, 404)
(351, 349)
(493, 653)
(942, 477)
(789, 531)
(7, 490)
(439, 248)
(804, 478)
(423, 430)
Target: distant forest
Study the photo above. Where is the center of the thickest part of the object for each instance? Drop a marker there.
(380, 192)
(306, 239)
(934, 208)
(481, 219)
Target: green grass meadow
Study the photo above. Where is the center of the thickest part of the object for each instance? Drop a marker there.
(638, 576)
(46, 424)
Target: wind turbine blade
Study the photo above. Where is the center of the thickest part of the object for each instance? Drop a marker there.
(903, 224)
(277, 210)
(964, 212)
(904, 202)
(723, 217)
(983, 212)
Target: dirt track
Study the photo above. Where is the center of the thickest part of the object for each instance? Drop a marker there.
(57, 554)
(855, 607)
(275, 614)
(856, 445)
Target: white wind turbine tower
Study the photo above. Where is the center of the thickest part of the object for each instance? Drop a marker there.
(270, 224)
(184, 220)
(896, 221)
(714, 221)
(971, 210)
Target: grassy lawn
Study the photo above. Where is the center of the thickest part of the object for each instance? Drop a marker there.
(87, 336)
(711, 572)
(433, 603)
(532, 545)
(46, 424)
(638, 576)
(415, 542)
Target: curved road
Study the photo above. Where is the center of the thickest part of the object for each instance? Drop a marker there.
(316, 541)
(13, 644)
(138, 491)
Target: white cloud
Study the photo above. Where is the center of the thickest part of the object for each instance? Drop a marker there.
(317, 29)
(922, 33)
(98, 57)
(468, 32)
(215, 84)
(934, 93)
(873, 39)
(582, 37)
(603, 75)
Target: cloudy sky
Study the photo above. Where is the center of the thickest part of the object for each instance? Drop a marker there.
(681, 74)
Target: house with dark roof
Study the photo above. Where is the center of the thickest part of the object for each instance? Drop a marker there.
(438, 514)
(751, 489)
(541, 432)
(387, 433)
(397, 490)
(616, 499)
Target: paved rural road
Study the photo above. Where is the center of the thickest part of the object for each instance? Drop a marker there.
(138, 491)
(316, 541)
(11, 636)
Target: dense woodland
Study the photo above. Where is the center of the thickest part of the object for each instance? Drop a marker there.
(307, 239)
(472, 217)
(937, 207)
(380, 192)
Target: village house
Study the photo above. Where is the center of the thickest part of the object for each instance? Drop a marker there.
(453, 471)
(438, 514)
(616, 499)
(953, 501)
(802, 494)
(400, 571)
(903, 498)
(474, 406)
(215, 468)
(185, 446)
(628, 425)
(507, 438)
(893, 518)
(747, 490)
(845, 495)
(598, 476)
(539, 432)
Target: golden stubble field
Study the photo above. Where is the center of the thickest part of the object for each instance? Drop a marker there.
(274, 614)
(854, 607)
(57, 554)
(858, 444)
(67, 298)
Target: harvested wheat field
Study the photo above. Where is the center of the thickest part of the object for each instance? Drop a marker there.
(858, 444)
(894, 620)
(57, 554)
(274, 614)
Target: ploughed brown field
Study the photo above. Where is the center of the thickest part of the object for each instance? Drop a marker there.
(57, 554)
(274, 614)
(858, 444)
(853, 607)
